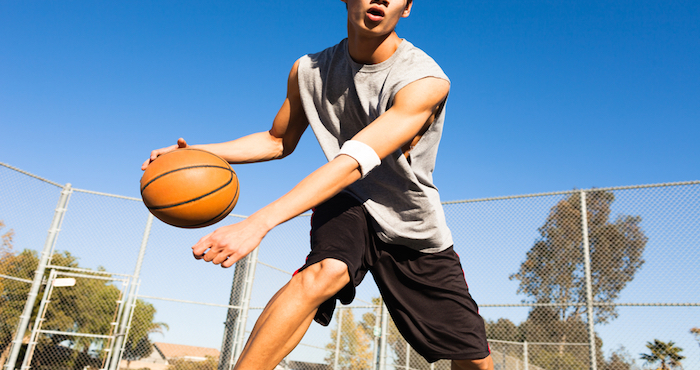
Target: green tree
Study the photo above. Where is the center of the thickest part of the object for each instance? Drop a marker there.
(355, 349)
(553, 270)
(544, 325)
(6, 240)
(138, 344)
(7, 321)
(13, 294)
(505, 330)
(619, 359)
(696, 332)
(666, 354)
(397, 344)
(88, 307)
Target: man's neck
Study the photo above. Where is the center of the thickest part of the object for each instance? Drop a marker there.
(372, 50)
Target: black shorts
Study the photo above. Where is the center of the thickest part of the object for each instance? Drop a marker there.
(426, 293)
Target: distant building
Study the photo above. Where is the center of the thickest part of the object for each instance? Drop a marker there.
(165, 352)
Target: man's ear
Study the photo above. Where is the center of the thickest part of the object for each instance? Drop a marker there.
(406, 10)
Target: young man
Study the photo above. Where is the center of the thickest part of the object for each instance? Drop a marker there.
(376, 105)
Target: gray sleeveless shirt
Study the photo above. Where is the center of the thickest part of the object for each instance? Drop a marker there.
(340, 98)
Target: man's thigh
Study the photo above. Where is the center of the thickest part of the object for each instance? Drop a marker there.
(429, 300)
(340, 232)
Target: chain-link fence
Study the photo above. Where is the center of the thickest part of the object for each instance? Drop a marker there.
(90, 280)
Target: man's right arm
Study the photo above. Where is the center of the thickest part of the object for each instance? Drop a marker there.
(281, 140)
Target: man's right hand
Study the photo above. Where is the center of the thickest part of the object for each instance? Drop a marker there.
(181, 143)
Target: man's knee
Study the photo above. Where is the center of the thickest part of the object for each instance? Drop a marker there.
(481, 364)
(323, 279)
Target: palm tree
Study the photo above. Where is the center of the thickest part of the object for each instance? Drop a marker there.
(665, 353)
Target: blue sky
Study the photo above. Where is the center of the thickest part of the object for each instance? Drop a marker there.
(546, 95)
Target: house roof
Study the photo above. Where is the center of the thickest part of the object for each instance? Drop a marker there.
(169, 350)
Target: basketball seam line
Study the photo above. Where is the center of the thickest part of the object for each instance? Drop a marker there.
(229, 169)
(227, 165)
(193, 199)
(238, 191)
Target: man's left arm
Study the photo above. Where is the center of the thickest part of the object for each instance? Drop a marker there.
(413, 110)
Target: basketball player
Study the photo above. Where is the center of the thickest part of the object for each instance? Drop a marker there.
(376, 104)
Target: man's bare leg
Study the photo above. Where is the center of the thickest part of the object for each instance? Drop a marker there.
(289, 313)
(482, 364)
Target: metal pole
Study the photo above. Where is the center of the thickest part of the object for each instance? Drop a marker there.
(503, 357)
(252, 262)
(37, 322)
(39, 275)
(377, 333)
(525, 357)
(120, 340)
(337, 339)
(589, 288)
(408, 355)
(239, 274)
(115, 324)
(385, 326)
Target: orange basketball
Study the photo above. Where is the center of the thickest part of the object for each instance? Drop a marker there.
(189, 188)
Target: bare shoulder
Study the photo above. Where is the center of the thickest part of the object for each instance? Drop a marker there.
(293, 80)
(424, 93)
(295, 67)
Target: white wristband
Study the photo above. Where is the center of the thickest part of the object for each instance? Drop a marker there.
(362, 153)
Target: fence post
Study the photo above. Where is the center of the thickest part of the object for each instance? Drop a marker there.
(239, 273)
(377, 334)
(123, 330)
(408, 356)
(251, 263)
(337, 339)
(525, 357)
(589, 288)
(33, 338)
(39, 274)
(385, 329)
(504, 358)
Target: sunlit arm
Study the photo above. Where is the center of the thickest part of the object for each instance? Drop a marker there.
(412, 111)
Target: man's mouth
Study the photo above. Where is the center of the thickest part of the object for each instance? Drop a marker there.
(375, 13)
